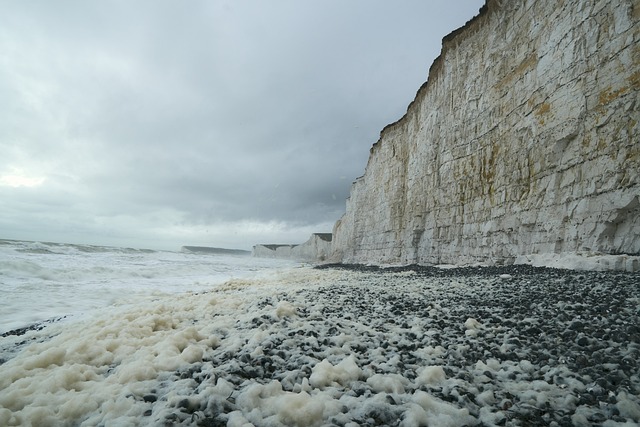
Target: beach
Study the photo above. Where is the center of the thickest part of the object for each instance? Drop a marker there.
(344, 346)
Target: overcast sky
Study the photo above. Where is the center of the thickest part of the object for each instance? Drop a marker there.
(157, 124)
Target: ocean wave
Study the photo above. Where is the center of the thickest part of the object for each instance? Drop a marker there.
(42, 280)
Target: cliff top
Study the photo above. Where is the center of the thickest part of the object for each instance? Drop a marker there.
(276, 246)
(327, 237)
(448, 42)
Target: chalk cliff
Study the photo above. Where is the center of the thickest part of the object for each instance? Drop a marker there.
(525, 139)
(316, 249)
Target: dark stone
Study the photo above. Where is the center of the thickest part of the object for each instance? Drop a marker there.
(212, 422)
(597, 418)
(583, 341)
(576, 325)
(188, 406)
(581, 361)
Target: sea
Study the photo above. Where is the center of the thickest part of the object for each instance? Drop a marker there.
(42, 281)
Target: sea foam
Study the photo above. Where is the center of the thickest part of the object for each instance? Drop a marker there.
(41, 281)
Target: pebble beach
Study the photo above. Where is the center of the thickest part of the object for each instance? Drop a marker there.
(344, 346)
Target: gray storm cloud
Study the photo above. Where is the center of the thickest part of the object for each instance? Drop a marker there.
(160, 123)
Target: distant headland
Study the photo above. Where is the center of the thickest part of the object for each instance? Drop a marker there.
(218, 251)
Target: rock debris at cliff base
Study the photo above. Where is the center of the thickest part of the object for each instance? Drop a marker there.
(516, 346)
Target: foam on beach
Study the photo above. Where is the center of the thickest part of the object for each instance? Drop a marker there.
(315, 347)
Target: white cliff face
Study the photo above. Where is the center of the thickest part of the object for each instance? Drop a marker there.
(316, 249)
(525, 140)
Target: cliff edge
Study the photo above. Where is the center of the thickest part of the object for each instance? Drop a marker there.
(524, 141)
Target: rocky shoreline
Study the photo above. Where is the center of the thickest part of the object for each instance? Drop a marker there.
(491, 345)
(411, 346)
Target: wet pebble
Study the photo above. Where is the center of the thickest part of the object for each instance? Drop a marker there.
(541, 326)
